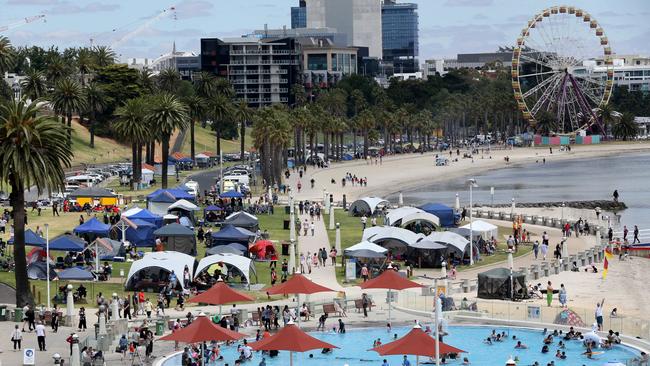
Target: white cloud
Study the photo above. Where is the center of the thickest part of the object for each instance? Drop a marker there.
(94, 7)
(469, 2)
(188, 9)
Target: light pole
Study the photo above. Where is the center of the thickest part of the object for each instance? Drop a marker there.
(472, 184)
(512, 208)
(438, 318)
(563, 204)
(492, 195)
(511, 264)
(47, 262)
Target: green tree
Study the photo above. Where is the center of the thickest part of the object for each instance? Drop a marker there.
(34, 153)
(607, 116)
(131, 126)
(242, 114)
(625, 128)
(34, 85)
(104, 56)
(68, 98)
(168, 114)
(7, 55)
(545, 123)
(169, 80)
(366, 122)
(95, 103)
(85, 63)
(56, 71)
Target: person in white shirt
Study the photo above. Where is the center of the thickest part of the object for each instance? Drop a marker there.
(16, 337)
(40, 336)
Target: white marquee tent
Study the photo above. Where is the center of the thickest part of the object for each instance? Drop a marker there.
(367, 205)
(479, 228)
(243, 264)
(167, 261)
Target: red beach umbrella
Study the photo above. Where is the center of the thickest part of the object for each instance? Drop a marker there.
(203, 330)
(416, 343)
(220, 294)
(389, 280)
(291, 338)
(298, 284)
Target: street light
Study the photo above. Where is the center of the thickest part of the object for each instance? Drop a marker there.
(472, 184)
(47, 262)
(563, 204)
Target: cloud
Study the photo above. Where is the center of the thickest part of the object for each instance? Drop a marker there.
(610, 13)
(479, 16)
(95, 7)
(469, 2)
(187, 9)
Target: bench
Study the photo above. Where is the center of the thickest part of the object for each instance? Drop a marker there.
(329, 309)
(358, 305)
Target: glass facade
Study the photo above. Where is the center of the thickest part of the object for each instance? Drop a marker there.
(298, 17)
(317, 62)
(400, 36)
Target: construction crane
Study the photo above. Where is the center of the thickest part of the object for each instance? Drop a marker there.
(21, 22)
(171, 11)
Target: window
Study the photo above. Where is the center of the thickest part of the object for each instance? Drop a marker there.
(317, 61)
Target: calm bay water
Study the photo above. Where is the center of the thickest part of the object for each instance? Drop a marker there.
(573, 180)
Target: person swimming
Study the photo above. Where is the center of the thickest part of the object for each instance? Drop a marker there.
(488, 340)
(520, 345)
(545, 349)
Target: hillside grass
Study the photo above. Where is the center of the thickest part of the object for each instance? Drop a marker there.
(106, 150)
(205, 140)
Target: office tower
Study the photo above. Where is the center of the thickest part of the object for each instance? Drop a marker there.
(400, 35)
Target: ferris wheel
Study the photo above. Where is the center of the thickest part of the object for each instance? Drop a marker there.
(562, 65)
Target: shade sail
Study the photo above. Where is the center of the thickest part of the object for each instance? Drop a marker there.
(290, 338)
(389, 280)
(242, 264)
(416, 343)
(298, 284)
(75, 273)
(231, 194)
(203, 330)
(93, 226)
(31, 238)
(68, 243)
(220, 294)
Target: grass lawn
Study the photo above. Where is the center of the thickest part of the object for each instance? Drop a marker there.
(205, 140)
(67, 221)
(106, 150)
(114, 183)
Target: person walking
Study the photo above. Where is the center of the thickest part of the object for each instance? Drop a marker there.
(55, 319)
(563, 296)
(127, 308)
(544, 249)
(364, 221)
(40, 336)
(536, 248)
(16, 337)
(82, 319)
(365, 302)
(636, 235)
(333, 256)
(312, 227)
(549, 294)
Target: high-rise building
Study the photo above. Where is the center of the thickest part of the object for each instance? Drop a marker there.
(399, 24)
(359, 19)
(299, 15)
(260, 70)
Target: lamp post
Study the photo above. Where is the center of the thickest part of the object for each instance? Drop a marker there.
(512, 208)
(492, 195)
(292, 218)
(102, 320)
(472, 184)
(510, 265)
(563, 205)
(75, 359)
(438, 318)
(115, 307)
(292, 256)
(47, 263)
(337, 242)
(331, 212)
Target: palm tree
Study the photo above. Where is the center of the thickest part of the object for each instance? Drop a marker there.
(131, 126)
(197, 109)
(366, 122)
(145, 80)
(85, 63)
(168, 80)
(6, 54)
(625, 128)
(56, 70)
(95, 103)
(104, 56)
(205, 84)
(168, 114)
(34, 85)
(34, 154)
(221, 111)
(68, 98)
(607, 116)
(242, 114)
(545, 123)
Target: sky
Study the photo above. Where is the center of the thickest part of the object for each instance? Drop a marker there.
(447, 27)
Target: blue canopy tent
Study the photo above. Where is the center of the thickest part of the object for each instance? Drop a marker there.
(231, 234)
(31, 238)
(144, 215)
(68, 243)
(231, 194)
(443, 212)
(93, 227)
(159, 201)
(140, 233)
(212, 213)
(75, 273)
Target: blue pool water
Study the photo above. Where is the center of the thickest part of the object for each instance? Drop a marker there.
(355, 343)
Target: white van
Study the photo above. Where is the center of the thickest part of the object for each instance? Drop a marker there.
(237, 179)
(193, 187)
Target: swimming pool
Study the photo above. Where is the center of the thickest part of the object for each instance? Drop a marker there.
(355, 343)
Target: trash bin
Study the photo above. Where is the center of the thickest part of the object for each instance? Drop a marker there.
(285, 248)
(160, 327)
(18, 315)
(286, 225)
(287, 210)
(3, 313)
